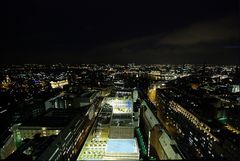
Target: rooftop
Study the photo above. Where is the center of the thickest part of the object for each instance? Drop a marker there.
(122, 146)
(53, 118)
(88, 94)
(32, 148)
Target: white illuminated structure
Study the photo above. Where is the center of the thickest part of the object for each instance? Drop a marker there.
(59, 84)
(122, 149)
(121, 105)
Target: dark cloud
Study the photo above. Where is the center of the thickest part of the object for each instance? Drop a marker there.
(205, 32)
(77, 32)
(202, 42)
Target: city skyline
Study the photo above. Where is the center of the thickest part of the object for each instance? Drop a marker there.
(119, 112)
(156, 80)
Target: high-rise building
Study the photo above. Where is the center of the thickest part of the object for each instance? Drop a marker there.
(112, 136)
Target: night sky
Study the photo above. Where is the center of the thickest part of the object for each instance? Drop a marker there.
(181, 31)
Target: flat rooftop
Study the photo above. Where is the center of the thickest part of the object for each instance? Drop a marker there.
(88, 94)
(122, 146)
(53, 118)
(128, 123)
(122, 120)
(32, 148)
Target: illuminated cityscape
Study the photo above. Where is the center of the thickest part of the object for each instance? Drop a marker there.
(120, 80)
(122, 112)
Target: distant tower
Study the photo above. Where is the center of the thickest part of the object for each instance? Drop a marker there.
(8, 80)
(204, 70)
(237, 70)
(237, 74)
